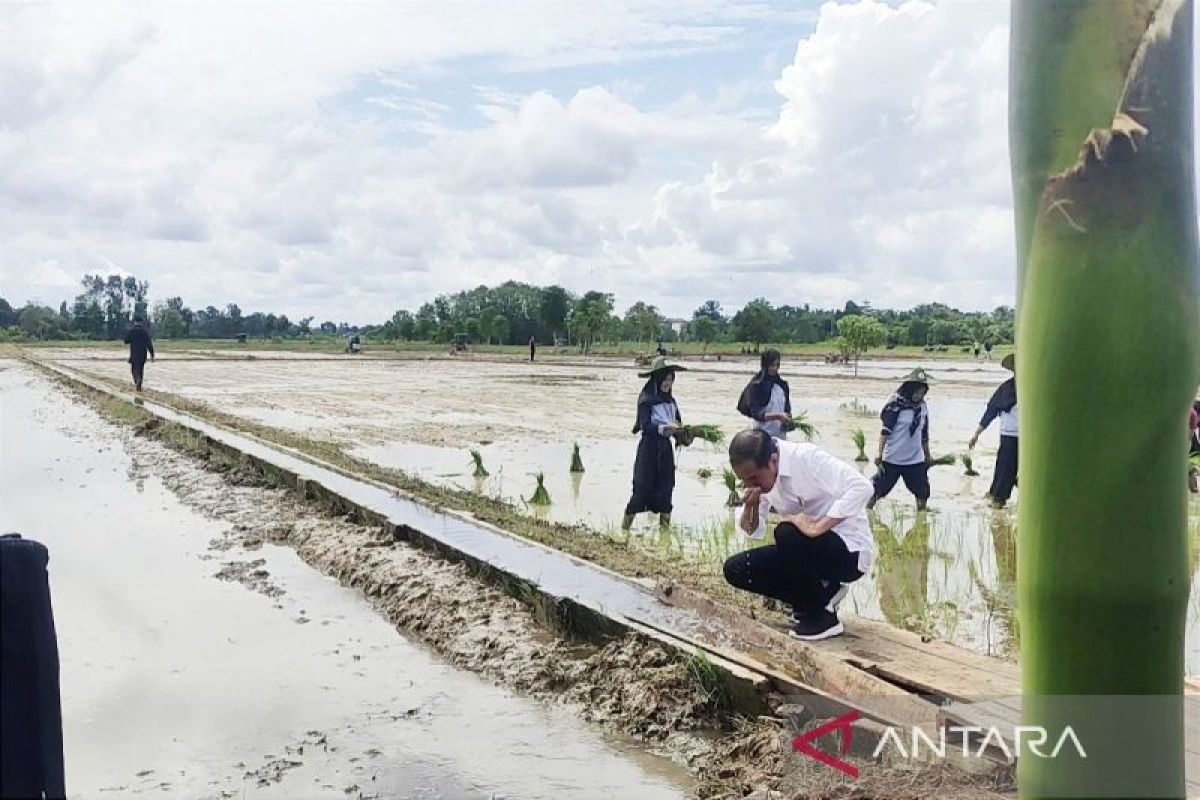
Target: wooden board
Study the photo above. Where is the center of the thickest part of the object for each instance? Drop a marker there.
(938, 670)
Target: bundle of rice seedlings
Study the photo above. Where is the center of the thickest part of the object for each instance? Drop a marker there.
(735, 498)
(704, 473)
(576, 460)
(709, 433)
(480, 470)
(943, 461)
(540, 496)
(968, 464)
(800, 422)
(860, 441)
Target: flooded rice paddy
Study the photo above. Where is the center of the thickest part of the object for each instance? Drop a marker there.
(949, 573)
(196, 665)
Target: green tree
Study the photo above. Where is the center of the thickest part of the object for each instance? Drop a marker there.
(755, 322)
(590, 317)
(857, 334)
(643, 321)
(704, 329)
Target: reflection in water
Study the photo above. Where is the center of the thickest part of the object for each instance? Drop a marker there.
(1002, 632)
(902, 572)
(576, 482)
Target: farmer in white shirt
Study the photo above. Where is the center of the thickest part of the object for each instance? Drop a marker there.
(1003, 404)
(767, 399)
(904, 441)
(823, 541)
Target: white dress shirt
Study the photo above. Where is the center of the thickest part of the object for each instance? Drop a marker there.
(812, 481)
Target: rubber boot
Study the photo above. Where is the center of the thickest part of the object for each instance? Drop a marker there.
(664, 521)
(627, 522)
(921, 503)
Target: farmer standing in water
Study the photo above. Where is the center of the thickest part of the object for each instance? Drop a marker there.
(138, 339)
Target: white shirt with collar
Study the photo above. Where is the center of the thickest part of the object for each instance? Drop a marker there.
(812, 481)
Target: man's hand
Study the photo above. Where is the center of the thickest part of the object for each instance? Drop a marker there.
(808, 525)
(971, 442)
(751, 497)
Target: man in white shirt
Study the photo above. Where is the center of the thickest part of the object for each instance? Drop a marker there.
(822, 543)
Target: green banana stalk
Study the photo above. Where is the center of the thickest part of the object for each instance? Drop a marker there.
(1100, 125)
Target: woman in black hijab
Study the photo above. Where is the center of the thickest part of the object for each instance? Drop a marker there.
(1002, 405)
(767, 399)
(660, 424)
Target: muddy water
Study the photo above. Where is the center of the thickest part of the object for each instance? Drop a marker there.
(949, 574)
(177, 682)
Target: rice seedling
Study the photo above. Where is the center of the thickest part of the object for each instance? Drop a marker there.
(800, 422)
(576, 459)
(859, 437)
(709, 433)
(968, 465)
(540, 496)
(480, 469)
(734, 499)
(943, 461)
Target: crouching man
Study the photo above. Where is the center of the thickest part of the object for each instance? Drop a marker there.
(823, 542)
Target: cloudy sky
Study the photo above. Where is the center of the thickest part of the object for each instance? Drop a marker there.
(347, 159)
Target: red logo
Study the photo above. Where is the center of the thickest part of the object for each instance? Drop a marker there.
(803, 743)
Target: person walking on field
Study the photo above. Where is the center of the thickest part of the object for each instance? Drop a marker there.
(140, 344)
(532, 347)
(660, 424)
(823, 542)
(904, 441)
(767, 399)
(1003, 404)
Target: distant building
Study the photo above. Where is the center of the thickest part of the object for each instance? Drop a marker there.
(678, 325)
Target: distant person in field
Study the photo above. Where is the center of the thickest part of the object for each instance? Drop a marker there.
(660, 424)
(532, 347)
(904, 441)
(823, 542)
(767, 399)
(1003, 404)
(140, 344)
(661, 350)
(987, 349)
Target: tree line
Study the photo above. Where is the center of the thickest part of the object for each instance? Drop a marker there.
(511, 313)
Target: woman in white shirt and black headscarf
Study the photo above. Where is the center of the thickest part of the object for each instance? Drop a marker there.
(767, 399)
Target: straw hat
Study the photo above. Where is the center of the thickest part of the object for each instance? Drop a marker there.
(918, 375)
(660, 365)
(1010, 362)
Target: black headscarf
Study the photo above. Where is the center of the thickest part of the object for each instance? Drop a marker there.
(651, 395)
(901, 400)
(1005, 396)
(757, 393)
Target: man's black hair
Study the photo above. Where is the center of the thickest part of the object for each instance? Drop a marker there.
(752, 445)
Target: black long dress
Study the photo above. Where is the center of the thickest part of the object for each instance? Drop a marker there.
(654, 466)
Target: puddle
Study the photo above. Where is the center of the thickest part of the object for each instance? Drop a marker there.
(950, 576)
(177, 683)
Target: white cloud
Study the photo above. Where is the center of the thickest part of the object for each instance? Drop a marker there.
(300, 162)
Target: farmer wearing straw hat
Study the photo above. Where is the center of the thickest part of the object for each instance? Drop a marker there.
(1003, 404)
(658, 421)
(904, 440)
